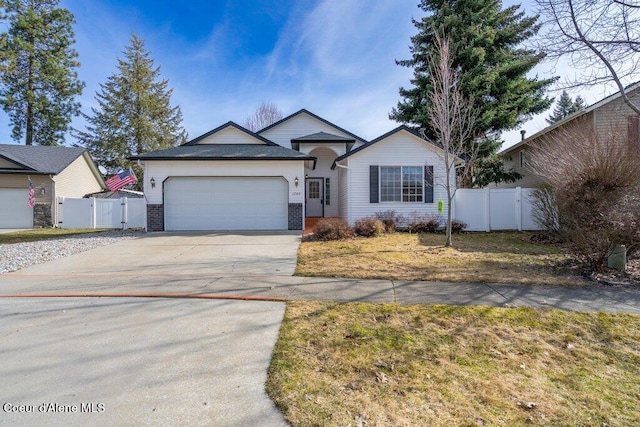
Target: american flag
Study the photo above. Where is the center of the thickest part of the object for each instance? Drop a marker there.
(32, 195)
(120, 180)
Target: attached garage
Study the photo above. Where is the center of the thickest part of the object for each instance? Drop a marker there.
(227, 179)
(226, 203)
(14, 212)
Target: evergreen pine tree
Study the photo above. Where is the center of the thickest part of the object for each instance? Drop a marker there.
(565, 107)
(38, 81)
(486, 42)
(134, 113)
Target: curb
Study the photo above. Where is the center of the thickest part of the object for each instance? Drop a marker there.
(148, 295)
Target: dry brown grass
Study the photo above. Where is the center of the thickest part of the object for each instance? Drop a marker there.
(475, 257)
(43, 234)
(449, 366)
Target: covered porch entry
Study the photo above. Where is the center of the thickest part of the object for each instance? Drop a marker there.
(321, 183)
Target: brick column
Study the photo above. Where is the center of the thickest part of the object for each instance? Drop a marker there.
(42, 215)
(155, 217)
(295, 216)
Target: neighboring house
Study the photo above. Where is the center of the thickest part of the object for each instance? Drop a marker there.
(608, 116)
(54, 172)
(301, 166)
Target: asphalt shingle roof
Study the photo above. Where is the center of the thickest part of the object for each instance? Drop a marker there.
(225, 152)
(323, 136)
(39, 158)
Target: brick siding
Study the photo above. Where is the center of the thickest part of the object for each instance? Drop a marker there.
(155, 217)
(295, 216)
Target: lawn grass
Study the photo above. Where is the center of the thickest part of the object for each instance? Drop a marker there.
(42, 234)
(389, 365)
(508, 257)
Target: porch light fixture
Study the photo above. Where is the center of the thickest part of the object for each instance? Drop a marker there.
(296, 181)
(153, 182)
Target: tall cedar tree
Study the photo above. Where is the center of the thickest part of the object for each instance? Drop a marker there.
(134, 113)
(486, 42)
(565, 107)
(38, 81)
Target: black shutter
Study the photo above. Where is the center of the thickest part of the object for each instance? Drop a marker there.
(428, 184)
(374, 182)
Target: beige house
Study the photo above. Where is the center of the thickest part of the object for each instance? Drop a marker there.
(610, 115)
(53, 172)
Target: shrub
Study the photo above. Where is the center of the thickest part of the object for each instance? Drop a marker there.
(332, 229)
(595, 185)
(425, 226)
(458, 226)
(545, 209)
(369, 227)
(390, 219)
(421, 223)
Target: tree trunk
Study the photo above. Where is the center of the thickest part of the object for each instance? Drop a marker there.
(29, 112)
(447, 242)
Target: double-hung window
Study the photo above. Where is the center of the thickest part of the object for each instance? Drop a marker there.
(401, 184)
(390, 184)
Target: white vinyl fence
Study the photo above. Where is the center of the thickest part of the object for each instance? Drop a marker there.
(488, 209)
(102, 213)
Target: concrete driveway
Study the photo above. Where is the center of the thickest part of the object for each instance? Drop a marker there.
(143, 361)
(165, 262)
(136, 362)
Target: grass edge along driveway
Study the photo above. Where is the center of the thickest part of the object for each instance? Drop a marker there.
(36, 234)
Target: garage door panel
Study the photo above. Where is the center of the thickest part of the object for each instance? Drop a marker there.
(14, 212)
(226, 203)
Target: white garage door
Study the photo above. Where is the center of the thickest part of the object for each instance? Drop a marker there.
(14, 212)
(225, 203)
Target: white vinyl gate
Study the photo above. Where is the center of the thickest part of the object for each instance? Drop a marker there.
(488, 209)
(102, 213)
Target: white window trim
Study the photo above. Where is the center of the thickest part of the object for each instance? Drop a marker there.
(401, 183)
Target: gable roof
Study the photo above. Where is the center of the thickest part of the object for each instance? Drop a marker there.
(630, 88)
(380, 138)
(322, 137)
(226, 125)
(39, 158)
(225, 152)
(305, 111)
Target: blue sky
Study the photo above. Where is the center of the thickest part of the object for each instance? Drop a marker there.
(335, 58)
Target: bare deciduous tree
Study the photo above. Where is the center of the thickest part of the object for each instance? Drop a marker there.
(265, 115)
(452, 118)
(599, 37)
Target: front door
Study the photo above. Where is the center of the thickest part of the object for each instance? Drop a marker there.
(315, 199)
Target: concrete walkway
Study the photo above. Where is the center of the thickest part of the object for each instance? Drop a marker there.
(282, 288)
